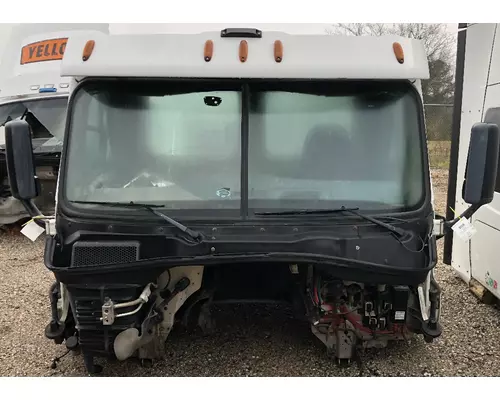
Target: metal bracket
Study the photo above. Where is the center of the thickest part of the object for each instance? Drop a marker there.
(50, 227)
(345, 344)
(63, 303)
(340, 341)
(108, 308)
(157, 348)
(423, 297)
(108, 312)
(438, 228)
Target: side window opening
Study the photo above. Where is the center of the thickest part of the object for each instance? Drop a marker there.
(38, 129)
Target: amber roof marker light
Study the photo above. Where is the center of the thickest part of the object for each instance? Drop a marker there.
(398, 52)
(208, 51)
(88, 49)
(243, 51)
(278, 51)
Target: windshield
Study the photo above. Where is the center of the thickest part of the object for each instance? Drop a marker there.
(303, 145)
(45, 116)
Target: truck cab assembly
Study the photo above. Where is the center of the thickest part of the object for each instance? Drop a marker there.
(252, 166)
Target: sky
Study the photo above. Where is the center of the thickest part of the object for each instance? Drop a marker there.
(306, 28)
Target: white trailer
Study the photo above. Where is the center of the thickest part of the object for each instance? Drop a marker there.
(31, 88)
(477, 98)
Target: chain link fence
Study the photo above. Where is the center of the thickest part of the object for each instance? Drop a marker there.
(438, 120)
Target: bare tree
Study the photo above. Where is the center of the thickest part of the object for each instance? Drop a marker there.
(439, 45)
(437, 41)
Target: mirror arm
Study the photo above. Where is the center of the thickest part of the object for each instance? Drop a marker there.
(466, 214)
(33, 212)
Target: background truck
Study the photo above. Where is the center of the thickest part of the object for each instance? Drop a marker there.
(243, 166)
(31, 88)
(477, 98)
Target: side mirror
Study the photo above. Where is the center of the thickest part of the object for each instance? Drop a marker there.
(20, 163)
(482, 165)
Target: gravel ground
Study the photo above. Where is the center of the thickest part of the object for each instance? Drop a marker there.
(250, 342)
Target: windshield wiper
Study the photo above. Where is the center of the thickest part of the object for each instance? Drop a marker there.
(150, 207)
(398, 231)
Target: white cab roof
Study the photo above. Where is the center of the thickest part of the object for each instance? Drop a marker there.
(304, 57)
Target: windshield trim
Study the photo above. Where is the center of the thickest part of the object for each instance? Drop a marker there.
(69, 209)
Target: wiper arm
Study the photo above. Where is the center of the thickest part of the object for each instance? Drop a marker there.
(194, 234)
(150, 207)
(307, 211)
(398, 231)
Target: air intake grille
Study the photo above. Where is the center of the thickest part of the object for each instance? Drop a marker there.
(102, 253)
